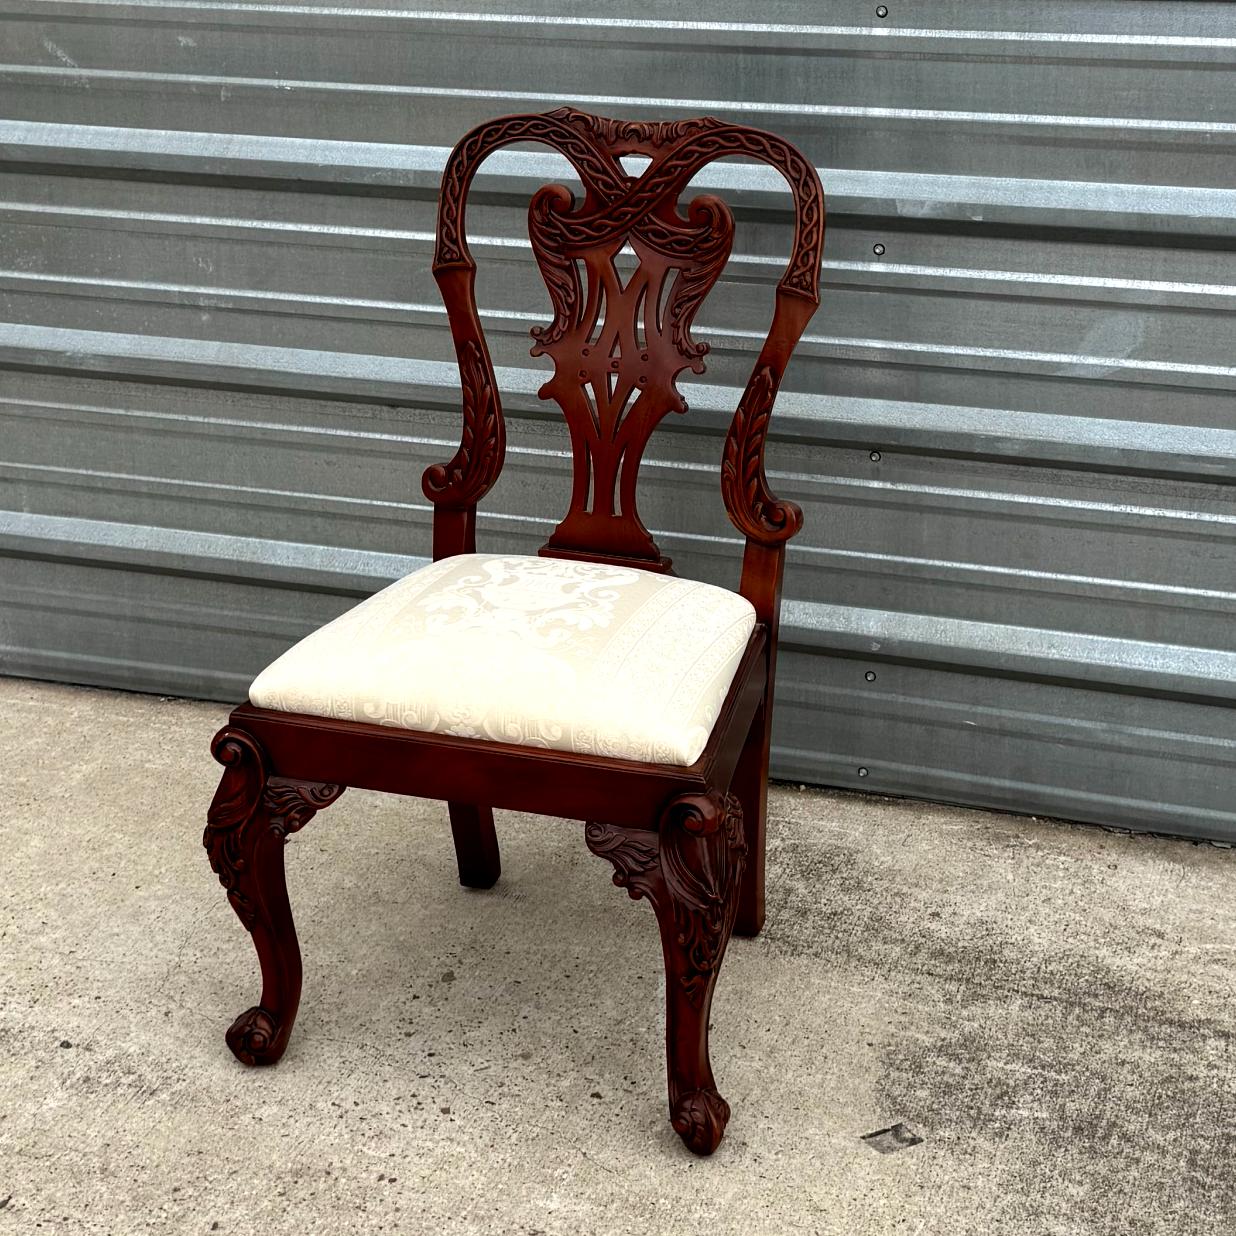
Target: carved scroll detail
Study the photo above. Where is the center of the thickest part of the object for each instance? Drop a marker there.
(699, 1117)
(554, 129)
(625, 136)
(633, 852)
(476, 464)
(690, 873)
(248, 797)
(253, 1035)
(701, 864)
(235, 801)
(292, 804)
(559, 271)
(695, 280)
(751, 506)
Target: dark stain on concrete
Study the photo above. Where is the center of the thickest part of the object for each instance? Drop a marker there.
(1087, 1123)
(1090, 1097)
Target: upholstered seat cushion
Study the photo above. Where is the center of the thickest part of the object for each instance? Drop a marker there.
(541, 652)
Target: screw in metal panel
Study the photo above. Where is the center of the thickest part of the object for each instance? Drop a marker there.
(875, 456)
(870, 676)
(862, 772)
(878, 250)
(881, 10)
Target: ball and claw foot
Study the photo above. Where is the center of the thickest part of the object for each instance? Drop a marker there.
(254, 1037)
(699, 1118)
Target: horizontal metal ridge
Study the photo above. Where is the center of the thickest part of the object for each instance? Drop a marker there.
(182, 551)
(1102, 662)
(1179, 598)
(1148, 447)
(1181, 45)
(944, 784)
(185, 615)
(126, 673)
(371, 376)
(1021, 717)
(911, 195)
(1169, 670)
(236, 365)
(869, 278)
(861, 276)
(1114, 128)
(1027, 437)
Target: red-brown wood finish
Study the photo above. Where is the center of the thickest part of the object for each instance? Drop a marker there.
(689, 840)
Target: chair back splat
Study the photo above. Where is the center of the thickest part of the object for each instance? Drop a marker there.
(618, 347)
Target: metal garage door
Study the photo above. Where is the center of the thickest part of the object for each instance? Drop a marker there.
(224, 364)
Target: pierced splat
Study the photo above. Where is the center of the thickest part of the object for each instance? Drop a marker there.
(617, 349)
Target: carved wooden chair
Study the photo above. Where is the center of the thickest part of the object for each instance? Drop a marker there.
(589, 681)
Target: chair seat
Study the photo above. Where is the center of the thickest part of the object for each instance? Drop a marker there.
(541, 652)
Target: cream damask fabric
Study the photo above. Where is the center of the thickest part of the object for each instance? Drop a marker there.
(541, 652)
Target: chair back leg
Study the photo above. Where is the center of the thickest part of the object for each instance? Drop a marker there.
(750, 786)
(476, 845)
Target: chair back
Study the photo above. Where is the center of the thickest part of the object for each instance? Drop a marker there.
(618, 345)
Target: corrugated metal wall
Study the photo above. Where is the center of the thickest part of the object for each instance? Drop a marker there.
(224, 364)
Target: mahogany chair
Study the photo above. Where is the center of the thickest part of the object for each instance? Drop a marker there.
(587, 682)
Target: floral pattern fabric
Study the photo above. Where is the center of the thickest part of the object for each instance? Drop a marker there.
(542, 652)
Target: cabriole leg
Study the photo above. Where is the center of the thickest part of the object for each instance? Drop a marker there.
(247, 826)
(691, 874)
(476, 845)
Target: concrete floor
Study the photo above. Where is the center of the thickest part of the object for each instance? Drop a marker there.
(1050, 1008)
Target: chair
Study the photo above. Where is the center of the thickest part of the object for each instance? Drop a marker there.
(589, 681)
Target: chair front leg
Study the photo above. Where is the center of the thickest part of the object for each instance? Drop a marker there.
(690, 872)
(247, 826)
